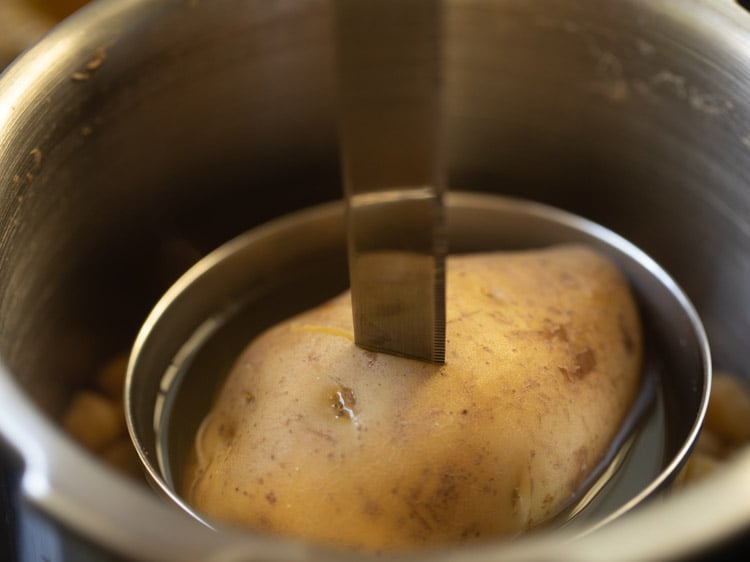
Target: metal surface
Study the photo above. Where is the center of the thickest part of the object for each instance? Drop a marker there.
(207, 118)
(393, 173)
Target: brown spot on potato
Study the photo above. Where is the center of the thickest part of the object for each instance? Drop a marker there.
(447, 491)
(342, 400)
(554, 331)
(471, 532)
(585, 362)
(372, 358)
(264, 524)
(415, 515)
(322, 434)
(372, 508)
(227, 430)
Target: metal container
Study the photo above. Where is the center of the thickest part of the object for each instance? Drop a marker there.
(138, 136)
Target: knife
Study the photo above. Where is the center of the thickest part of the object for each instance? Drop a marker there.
(390, 84)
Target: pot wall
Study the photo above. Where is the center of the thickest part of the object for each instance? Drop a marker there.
(138, 136)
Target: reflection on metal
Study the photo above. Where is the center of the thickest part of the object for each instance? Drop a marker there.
(389, 125)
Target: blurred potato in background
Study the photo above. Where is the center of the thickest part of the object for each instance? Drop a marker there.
(57, 8)
(22, 22)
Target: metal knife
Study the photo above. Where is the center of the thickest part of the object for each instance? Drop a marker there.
(390, 84)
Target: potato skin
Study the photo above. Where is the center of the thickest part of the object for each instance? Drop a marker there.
(315, 438)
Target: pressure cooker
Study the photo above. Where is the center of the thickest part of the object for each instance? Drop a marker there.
(137, 136)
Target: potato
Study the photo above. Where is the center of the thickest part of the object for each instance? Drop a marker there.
(110, 378)
(728, 415)
(315, 438)
(94, 420)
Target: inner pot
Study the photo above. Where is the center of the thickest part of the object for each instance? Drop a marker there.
(197, 331)
(138, 136)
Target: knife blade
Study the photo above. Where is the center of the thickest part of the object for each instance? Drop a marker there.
(390, 85)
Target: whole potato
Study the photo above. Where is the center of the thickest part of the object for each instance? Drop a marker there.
(315, 438)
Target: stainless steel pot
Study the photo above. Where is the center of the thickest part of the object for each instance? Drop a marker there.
(136, 130)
